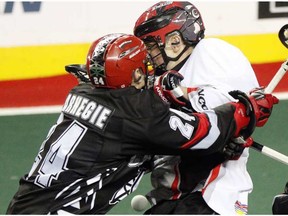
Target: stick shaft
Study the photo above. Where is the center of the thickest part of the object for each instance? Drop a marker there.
(270, 153)
(269, 89)
(277, 77)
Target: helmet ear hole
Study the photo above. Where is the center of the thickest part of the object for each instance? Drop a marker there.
(137, 75)
(174, 38)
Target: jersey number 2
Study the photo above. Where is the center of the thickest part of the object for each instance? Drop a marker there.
(185, 129)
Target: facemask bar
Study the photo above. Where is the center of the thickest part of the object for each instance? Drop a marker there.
(150, 72)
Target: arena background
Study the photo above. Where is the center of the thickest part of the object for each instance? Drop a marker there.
(38, 39)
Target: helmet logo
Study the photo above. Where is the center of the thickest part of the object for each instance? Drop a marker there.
(135, 53)
(129, 51)
(98, 74)
(122, 45)
(195, 13)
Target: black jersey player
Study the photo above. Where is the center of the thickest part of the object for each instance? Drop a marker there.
(95, 154)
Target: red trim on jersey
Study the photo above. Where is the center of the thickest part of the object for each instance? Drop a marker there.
(213, 176)
(175, 184)
(191, 89)
(201, 132)
(240, 118)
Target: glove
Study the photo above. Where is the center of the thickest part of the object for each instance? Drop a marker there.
(167, 87)
(234, 149)
(263, 105)
(280, 202)
(243, 115)
(253, 110)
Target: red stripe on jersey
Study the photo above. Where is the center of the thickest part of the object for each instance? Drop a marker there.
(191, 89)
(175, 184)
(214, 175)
(201, 132)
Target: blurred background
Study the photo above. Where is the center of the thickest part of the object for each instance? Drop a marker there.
(37, 39)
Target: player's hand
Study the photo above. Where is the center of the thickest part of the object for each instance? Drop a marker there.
(167, 87)
(262, 104)
(280, 202)
(235, 147)
(251, 111)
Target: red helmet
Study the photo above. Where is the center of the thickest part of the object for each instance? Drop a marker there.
(112, 59)
(165, 17)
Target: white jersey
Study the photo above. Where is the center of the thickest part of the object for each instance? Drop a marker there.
(224, 67)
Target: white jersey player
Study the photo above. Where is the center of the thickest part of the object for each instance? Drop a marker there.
(234, 72)
(174, 35)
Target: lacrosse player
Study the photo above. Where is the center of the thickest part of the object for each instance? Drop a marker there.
(174, 35)
(93, 157)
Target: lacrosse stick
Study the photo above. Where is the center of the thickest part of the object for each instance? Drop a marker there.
(283, 36)
(79, 71)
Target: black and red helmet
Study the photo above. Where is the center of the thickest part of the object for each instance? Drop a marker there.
(166, 17)
(112, 59)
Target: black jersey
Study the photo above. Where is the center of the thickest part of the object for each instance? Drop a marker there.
(93, 156)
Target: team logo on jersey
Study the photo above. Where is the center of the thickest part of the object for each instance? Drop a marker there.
(201, 99)
(240, 208)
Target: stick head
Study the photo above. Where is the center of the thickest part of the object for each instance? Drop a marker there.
(283, 35)
(79, 71)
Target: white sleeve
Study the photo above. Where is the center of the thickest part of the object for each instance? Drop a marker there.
(208, 97)
(217, 63)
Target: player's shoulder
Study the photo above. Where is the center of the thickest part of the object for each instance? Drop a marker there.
(82, 87)
(212, 43)
(218, 47)
(139, 103)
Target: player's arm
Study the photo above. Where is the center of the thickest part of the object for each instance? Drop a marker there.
(168, 88)
(213, 129)
(200, 98)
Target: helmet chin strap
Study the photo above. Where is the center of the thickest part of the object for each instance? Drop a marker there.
(167, 59)
(160, 69)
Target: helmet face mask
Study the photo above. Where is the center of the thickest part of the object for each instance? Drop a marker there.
(113, 58)
(150, 72)
(164, 18)
(157, 56)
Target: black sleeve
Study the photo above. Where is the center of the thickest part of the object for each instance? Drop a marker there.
(171, 130)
